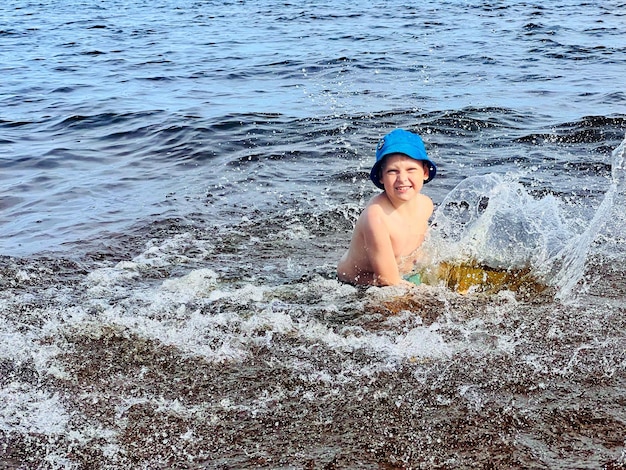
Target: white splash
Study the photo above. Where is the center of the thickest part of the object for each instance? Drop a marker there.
(609, 219)
(493, 220)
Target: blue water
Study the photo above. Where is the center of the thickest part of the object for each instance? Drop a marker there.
(179, 178)
(110, 110)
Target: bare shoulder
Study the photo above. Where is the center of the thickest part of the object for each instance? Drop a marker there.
(427, 204)
(376, 208)
(373, 219)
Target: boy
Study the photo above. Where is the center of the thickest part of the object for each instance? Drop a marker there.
(388, 233)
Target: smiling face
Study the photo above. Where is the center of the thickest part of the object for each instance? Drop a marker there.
(402, 176)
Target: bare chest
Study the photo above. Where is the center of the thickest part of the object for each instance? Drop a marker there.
(407, 236)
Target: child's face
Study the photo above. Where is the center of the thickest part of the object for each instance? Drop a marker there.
(403, 176)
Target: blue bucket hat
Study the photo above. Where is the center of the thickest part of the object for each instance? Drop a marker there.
(405, 142)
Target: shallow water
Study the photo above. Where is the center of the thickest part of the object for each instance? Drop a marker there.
(179, 180)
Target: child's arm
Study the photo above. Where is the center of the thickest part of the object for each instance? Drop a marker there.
(379, 249)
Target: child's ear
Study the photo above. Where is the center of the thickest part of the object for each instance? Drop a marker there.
(426, 171)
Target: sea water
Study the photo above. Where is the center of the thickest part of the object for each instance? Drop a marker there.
(179, 179)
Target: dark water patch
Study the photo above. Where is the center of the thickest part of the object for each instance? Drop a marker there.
(10, 33)
(67, 68)
(64, 89)
(7, 202)
(10, 124)
(559, 51)
(102, 120)
(235, 121)
(115, 247)
(487, 117)
(589, 129)
(617, 97)
(93, 53)
(349, 176)
(533, 26)
(461, 123)
(538, 77)
(341, 219)
(158, 78)
(605, 274)
(595, 168)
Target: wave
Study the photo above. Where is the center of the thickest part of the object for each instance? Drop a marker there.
(588, 129)
(236, 162)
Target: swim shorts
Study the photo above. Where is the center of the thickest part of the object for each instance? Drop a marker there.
(415, 278)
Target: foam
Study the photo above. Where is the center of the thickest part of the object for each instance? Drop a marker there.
(13, 345)
(28, 410)
(241, 296)
(21, 342)
(195, 284)
(182, 312)
(180, 249)
(423, 342)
